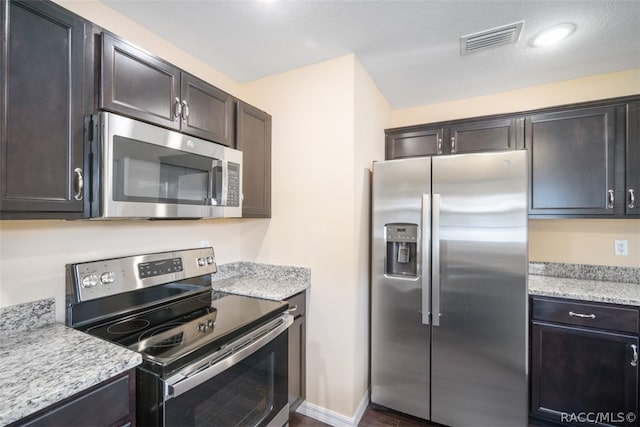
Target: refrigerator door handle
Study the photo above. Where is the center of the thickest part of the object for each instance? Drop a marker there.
(424, 262)
(435, 261)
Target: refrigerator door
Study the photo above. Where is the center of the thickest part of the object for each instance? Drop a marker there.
(479, 348)
(399, 340)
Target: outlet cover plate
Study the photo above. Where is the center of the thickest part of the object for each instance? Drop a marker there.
(621, 248)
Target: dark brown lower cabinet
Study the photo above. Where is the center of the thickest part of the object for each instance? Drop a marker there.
(111, 403)
(582, 375)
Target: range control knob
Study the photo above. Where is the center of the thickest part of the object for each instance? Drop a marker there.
(210, 323)
(90, 280)
(209, 260)
(202, 327)
(108, 277)
(200, 262)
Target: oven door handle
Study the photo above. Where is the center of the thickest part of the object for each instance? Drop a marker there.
(223, 359)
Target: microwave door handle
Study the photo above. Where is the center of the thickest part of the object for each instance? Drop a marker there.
(209, 199)
(225, 182)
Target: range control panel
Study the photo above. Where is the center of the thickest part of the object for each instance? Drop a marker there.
(98, 279)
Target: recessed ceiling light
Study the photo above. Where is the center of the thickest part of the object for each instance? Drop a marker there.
(552, 35)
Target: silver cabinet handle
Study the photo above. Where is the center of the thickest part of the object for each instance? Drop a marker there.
(439, 145)
(632, 199)
(185, 111)
(292, 309)
(453, 144)
(589, 316)
(611, 199)
(177, 109)
(80, 184)
(634, 361)
(435, 260)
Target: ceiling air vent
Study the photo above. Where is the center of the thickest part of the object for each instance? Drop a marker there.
(498, 36)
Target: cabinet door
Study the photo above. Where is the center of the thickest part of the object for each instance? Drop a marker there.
(111, 403)
(632, 191)
(207, 111)
(571, 162)
(41, 111)
(137, 84)
(254, 140)
(420, 143)
(491, 135)
(576, 370)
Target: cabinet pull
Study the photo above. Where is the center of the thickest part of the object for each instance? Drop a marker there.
(293, 308)
(453, 144)
(632, 199)
(590, 316)
(634, 361)
(177, 109)
(79, 184)
(439, 145)
(611, 199)
(185, 111)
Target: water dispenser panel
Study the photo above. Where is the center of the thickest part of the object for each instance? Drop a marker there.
(402, 241)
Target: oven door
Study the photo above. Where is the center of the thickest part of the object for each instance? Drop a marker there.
(150, 172)
(243, 384)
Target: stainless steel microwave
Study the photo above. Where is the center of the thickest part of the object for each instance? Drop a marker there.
(140, 170)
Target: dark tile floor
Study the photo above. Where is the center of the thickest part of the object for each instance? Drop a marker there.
(372, 417)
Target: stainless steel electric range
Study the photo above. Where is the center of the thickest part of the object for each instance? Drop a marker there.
(218, 361)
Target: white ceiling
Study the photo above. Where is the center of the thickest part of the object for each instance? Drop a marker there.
(410, 48)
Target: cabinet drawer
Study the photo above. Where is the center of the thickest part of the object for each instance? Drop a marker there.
(299, 302)
(592, 315)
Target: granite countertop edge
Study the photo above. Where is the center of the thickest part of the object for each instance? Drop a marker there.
(273, 282)
(52, 362)
(585, 290)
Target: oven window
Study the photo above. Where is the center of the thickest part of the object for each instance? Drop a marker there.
(249, 393)
(149, 173)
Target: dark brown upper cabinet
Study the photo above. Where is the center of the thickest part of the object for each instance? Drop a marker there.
(632, 164)
(572, 162)
(489, 135)
(456, 137)
(254, 140)
(140, 85)
(41, 111)
(402, 144)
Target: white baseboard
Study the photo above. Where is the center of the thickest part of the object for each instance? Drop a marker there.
(332, 418)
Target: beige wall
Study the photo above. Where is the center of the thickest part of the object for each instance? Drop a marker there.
(327, 128)
(570, 241)
(328, 122)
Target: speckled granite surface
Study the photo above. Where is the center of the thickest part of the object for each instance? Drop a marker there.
(586, 290)
(24, 317)
(274, 282)
(619, 285)
(586, 272)
(42, 362)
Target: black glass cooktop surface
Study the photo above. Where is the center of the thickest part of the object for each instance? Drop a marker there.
(185, 330)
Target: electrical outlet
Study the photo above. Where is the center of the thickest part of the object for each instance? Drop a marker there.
(621, 248)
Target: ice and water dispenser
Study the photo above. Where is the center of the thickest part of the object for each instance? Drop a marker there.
(402, 241)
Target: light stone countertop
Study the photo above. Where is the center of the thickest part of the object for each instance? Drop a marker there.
(586, 290)
(274, 282)
(43, 364)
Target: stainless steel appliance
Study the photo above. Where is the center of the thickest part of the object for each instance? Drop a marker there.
(140, 170)
(449, 288)
(220, 362)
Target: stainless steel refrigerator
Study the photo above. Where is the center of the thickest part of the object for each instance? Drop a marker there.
(449, 288)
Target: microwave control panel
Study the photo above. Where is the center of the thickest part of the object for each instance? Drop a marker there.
(233, 191)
